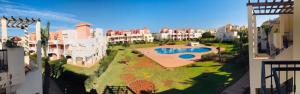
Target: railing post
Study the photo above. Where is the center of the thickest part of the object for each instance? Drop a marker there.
(277, 81)
(263, 80)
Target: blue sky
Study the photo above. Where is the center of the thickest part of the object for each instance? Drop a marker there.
(129, 14)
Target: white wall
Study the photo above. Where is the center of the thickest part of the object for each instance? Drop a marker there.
(15, 57)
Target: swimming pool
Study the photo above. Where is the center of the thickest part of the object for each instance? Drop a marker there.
(181, 50)
(186, 56)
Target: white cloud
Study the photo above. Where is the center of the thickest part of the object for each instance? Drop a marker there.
(9, 8)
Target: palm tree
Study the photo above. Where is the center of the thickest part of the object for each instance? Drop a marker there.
(45, 37)
(219, 49)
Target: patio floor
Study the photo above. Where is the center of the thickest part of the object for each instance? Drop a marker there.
(173, 60)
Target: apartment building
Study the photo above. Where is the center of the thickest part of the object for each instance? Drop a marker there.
(82, 46)
(129, 36)
(228, 32)
(19, 74)
(180, 34)
(275, 71)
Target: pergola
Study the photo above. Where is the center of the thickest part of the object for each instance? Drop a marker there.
(271, 7)
(23, 24)
(264, 7)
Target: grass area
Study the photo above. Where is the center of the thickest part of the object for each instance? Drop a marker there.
(80, 80)
(82, 70)
(207, 77)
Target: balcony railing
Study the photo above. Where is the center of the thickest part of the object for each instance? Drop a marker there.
(3, 60)
(284, 83)
(118, 90)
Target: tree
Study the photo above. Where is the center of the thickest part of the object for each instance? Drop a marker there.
(206, 35)
(45, 37)
(126, 44)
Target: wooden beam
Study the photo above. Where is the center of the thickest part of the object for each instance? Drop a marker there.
(272, 13)
(273, 8)
(265, 6)
(271, 3)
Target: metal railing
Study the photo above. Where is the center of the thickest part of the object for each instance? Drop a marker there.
(285, 83)
(118, 90)
(3, 60)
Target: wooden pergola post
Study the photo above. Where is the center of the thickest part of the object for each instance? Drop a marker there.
(4, 35)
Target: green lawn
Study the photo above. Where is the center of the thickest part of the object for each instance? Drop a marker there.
(82, 70)
(199, 78)
(207, 77)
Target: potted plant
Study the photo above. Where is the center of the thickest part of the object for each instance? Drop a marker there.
(13, 42)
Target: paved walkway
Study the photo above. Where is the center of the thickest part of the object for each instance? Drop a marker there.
(54, 89)
(239, 86)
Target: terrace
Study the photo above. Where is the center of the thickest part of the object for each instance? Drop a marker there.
(274, 72)
(17, 70)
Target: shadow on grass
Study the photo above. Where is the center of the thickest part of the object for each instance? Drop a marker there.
(214, 83)
(206, 83)
(72, 83)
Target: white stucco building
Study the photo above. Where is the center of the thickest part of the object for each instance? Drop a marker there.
(129, 36)
(227, 32)
(180, 34)
(84, 51)
(82, 46)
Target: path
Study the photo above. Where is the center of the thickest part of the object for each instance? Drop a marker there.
(239, 86)
(54, 89)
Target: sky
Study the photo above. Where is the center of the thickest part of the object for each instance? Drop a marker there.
(131, 14)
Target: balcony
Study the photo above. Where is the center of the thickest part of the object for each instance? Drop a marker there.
(279, 77)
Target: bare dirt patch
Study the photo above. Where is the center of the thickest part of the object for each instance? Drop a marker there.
(145, 62)
(168, 83)
(128, 78)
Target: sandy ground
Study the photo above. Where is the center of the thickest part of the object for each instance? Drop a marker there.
(173, 60)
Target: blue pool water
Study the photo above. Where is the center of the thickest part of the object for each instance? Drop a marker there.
(181, 50)
(186, 56)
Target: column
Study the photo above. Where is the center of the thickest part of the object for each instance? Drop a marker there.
(296, 38)
(296, 33)
(39, 53)
(4, 30)
(38, 43)
(252, 33)
(57, 50)
(254, 77)
(26, 45)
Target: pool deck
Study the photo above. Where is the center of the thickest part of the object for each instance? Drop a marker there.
(173, 60)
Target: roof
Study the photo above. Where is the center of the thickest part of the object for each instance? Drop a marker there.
(83, 24)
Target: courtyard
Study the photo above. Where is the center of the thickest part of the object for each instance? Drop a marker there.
(195, 77)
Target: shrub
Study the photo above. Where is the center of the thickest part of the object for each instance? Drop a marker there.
(171, 43)
(210, 56)
(135, 52)
(140, 55)
(101, 69)
(161, 44)
(126, 45)
(207, 35)
(108, 51)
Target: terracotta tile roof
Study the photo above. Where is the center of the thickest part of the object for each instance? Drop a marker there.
(83, 24)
